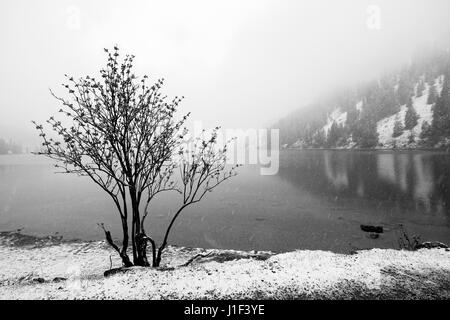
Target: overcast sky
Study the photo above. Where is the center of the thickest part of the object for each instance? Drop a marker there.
(240, 63)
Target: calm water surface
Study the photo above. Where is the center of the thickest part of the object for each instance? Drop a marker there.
(317, 200)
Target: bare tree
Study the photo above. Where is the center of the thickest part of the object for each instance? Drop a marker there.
(125, 136)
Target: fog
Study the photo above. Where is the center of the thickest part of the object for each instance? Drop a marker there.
(240, 64)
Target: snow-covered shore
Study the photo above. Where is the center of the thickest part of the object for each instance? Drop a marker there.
(74, 270)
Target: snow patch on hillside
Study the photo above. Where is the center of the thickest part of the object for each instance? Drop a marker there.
(359, 106)
(336, 116)
(385, 127)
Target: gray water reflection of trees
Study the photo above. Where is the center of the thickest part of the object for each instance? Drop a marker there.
(417, 181)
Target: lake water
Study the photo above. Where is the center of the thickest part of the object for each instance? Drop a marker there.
(317, 200)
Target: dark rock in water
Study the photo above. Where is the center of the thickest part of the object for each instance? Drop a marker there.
(39, 280)
(367, 228)
(431, 245)
(59, 279)
(373, 235)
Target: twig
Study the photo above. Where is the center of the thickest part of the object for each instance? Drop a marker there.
(195, 257)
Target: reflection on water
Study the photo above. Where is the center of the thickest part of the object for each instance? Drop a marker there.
(317, 200)
(413, 180)
(335, 171)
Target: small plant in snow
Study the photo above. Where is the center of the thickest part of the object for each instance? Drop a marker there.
(406, 241)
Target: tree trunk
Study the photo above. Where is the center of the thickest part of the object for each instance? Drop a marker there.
(157, 261)
(123, 253)
(126, 260)
(154, 254)
(133, 238)
(140, 243)
(141, 247)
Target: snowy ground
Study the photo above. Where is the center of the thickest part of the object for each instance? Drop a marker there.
(58, 270)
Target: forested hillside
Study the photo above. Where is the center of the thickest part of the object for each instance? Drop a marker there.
(409, 108)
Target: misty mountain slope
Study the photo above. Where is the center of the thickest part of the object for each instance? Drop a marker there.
(385, 127)
(409, 108)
